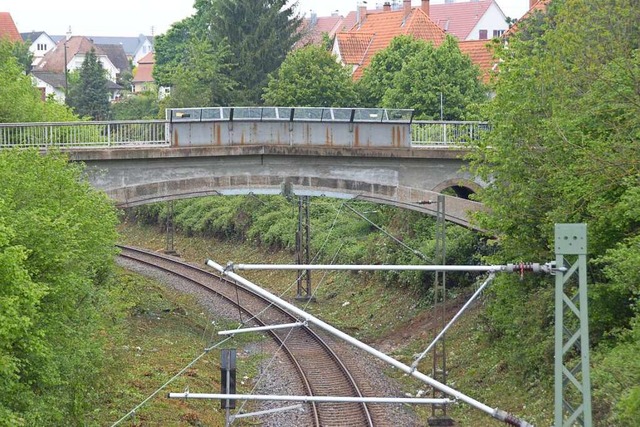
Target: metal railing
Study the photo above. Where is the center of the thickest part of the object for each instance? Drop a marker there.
(297, 114)
(84, 134)
(427, 133)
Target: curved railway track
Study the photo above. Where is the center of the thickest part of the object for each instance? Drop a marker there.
(320, 370)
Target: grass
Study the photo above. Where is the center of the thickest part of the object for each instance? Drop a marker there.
(164, 332)
(389, 318)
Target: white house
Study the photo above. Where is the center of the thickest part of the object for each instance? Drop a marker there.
(53, 84)
(470, 20)
(71, 53)
(40, 44)
(50, 84)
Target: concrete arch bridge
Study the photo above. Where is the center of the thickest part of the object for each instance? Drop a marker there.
(377, 155)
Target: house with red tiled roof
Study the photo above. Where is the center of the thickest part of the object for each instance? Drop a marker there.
(535, 6)
(8, 29)
(373, 32)
(70, 54)
(314, 27)
(470, 20)
(143, 74)
(481, 55)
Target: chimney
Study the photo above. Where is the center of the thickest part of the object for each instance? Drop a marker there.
(406, 6)
(425, 6)
(362, 14)
(386, 7)
(69, 33)
(314, 18)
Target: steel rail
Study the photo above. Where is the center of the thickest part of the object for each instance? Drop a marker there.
(290, 353)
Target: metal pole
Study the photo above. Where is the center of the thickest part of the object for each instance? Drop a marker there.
(414, 365)
(572, 384)
(439, 369)
(66, 75)
(509, 268)
(302, 249)
(496, 413)
(169, 247)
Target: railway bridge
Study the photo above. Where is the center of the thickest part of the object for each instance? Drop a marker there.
(378, 155)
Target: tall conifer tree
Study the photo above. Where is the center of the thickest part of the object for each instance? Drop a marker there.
(89, 95)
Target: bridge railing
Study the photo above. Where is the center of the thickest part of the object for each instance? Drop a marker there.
(84, 134)
(432, 133)
(292, 114)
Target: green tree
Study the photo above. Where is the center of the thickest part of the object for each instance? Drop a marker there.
(142, 106)
(171, 50)
(310, 77)
(23, 54)
(203, 78)
(379, 76)
(563, 148)
(57, 239)
(247, 39)
(89, 95)
(259, 35)
(20, 101)
(432, 72)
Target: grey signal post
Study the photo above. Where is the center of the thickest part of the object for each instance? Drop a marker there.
(303, 244)
(572, 375)
(439, 372)
(228, 380)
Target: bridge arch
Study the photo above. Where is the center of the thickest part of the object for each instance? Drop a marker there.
(132, 180)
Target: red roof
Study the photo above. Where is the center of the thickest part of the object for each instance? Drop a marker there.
(144, 71)
(312, 33)
(459, 19)
(358, 46)
(481, 54)
(8, 28)
(54, 60)
(539, 6)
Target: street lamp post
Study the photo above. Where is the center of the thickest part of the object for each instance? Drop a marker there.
(66, 75)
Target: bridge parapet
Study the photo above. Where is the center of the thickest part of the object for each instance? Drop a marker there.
(328, 127)
(264, 126)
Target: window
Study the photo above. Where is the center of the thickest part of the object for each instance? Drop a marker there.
(483, 34)
(41, 46)
(498, 33)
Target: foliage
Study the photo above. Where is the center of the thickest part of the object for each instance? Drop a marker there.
(309, 77)
(259, 35)
(89, 95)
(19, 100)
(202, 79)
(138, 107)
(171, 50)
(563, 149)
(270, 222)
(432, 72)
(56, 245)
(23, 55)
(616, 380)
(379, 76)
(243, 42)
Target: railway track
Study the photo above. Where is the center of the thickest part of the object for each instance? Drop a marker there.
(319, 369)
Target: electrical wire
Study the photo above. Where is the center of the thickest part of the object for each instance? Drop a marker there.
(395, 239)
(152, 395)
